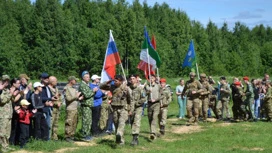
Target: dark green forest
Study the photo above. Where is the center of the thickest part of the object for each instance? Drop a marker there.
(66, 38)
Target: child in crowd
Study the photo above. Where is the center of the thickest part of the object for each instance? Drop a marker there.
(24, 121)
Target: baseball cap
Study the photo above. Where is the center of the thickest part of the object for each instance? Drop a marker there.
(95, 77)
(162, 80)
(44, 75)
(84, 73)
(24, 76)
(24, 102)
(70, 78)
(37, 84)
(5, 77)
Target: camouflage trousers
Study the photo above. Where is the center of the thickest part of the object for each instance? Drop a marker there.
(5, 129)
(268, 109)
(204, 107)
(86, 120)
(153, 115)
(71, 123)
(222, 108)
(55, 123)
(193, 109)
(120, 116)
(163, 116)
(104, 115)
(212, 105)
(136, 120)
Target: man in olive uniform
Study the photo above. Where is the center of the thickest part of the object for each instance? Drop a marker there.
(268, 101)
(120, 104)
(223, 103)
(72, 96)
(6, 112)
(249, 101)
(192, 90)
(167, 98)
(137, 100)
(204, 95)
(238, 107)
(56, 106)
(86, 105)
(154, 96)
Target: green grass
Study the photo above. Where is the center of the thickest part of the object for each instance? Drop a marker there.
(214, 137)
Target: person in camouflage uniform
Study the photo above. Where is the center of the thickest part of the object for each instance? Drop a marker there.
(86, 105)
(105, 109)
(167, 98)
(120, 105)
(268, 101)
(6, 112)
(56, 106)
(192, 90)
(72, 96)
(238, 107)
(212, 96)
(137, 101)
(154, 95)
(223, 103)
(204, 95)
(249, 101)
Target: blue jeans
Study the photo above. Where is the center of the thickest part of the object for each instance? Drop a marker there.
(182, 106)
(47, 116)
(257, 108)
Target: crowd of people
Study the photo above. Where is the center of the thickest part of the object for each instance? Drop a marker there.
(252, 99)
(33, 110)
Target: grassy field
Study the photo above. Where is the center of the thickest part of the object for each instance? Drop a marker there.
(207, 137)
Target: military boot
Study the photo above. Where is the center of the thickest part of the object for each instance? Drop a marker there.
(162, 129)
(134, 141)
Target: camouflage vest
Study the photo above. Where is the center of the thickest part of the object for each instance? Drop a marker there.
(120, 96)
(192, 86)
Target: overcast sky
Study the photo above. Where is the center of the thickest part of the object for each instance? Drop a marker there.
(249, 12)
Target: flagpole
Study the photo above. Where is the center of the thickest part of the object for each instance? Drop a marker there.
(197, 71)
(149, 74)
(158, 74)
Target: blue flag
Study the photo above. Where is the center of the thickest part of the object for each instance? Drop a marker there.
(190, 59)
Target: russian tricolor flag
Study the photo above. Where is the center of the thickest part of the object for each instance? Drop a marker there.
(112, 58)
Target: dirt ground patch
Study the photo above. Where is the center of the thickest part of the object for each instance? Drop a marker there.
(211, 120)
(186, 129)
(224, 124)
(173, 119)
(24, 151)
(65, 150)
(85, 144)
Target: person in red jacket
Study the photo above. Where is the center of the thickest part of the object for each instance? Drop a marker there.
(24, 121)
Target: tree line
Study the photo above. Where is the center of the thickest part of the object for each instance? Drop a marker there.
(65, 38)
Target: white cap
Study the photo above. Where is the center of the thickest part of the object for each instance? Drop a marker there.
(37, 84)
(24, 102)
(95, 77)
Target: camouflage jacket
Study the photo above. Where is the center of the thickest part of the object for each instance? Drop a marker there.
(249, 91)
(207, 89)
(192, 86)
(87, 93)
(167, 97)
(70, 95)
(224, 92)
(137, 96)
(55, 92)
(5, 104)
(268, 95)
